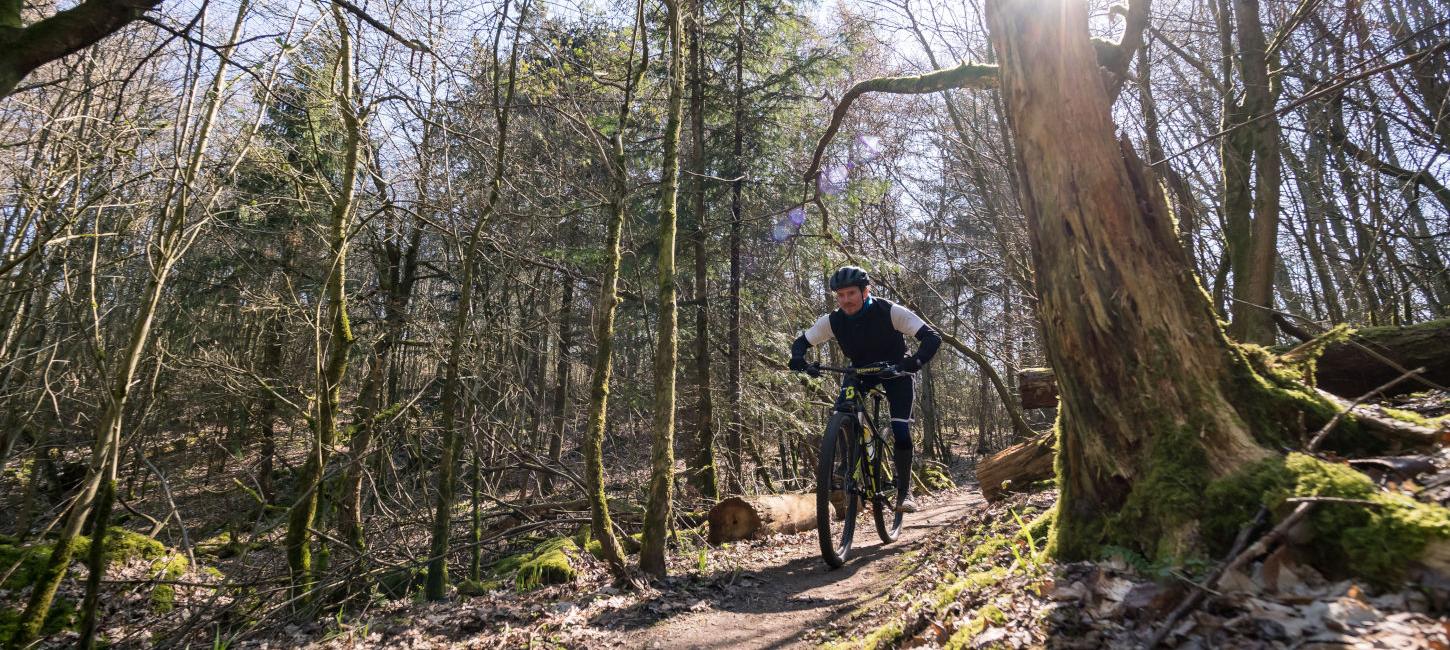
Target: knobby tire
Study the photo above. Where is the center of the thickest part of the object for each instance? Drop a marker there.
(837, 446)
(888, 518)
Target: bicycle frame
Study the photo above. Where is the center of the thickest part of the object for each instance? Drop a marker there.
(856, 466)
(866, 482)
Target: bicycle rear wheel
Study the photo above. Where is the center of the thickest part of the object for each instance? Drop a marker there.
(836, 492)
(883, 504)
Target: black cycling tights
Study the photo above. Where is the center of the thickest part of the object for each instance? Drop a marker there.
(899, 393)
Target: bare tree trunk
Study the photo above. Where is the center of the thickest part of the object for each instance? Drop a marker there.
(701, 460)
(1251, 180)
(601, 524)
(560, 398)
(273, 333)
(436, 586)
(330, 371)
(398, 273)
(736, 476)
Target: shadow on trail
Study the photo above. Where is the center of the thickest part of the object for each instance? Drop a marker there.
(775, 589)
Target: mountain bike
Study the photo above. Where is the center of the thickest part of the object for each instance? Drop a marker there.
(856, 465)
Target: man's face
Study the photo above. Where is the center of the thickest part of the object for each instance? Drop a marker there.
(850, 299)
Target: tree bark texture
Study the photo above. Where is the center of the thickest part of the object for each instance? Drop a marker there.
(1037, 388)
(662, 465)
(701, 460)
(1115, 288)
(735, 478)
(560, 399)
(1016, 467)
(25, 48)
(600, 522)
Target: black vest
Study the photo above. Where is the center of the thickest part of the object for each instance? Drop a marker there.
(868, 337)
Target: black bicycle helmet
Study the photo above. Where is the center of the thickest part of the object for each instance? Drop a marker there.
(848, 276)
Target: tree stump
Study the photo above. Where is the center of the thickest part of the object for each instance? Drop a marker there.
(739, 518)
(1037, 388)
(1019, 465)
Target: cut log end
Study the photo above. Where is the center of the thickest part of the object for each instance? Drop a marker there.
(1038, 388)
(738, 518)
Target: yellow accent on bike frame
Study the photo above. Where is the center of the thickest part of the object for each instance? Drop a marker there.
(850, 392)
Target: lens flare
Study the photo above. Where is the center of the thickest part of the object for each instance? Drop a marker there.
(868, 148)
(832, 180)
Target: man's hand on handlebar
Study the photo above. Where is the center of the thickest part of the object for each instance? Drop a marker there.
(799, 364)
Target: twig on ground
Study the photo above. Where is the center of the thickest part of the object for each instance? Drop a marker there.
(1357, 502)
(1192, 599)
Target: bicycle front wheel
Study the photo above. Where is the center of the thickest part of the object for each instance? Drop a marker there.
(836, 491)
(883, 502)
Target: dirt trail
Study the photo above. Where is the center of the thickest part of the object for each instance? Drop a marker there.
(793, 598)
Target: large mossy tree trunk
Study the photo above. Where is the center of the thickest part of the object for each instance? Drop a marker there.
(1153, 393)
(1166, 428)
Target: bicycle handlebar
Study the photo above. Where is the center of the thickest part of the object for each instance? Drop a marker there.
(887, 370)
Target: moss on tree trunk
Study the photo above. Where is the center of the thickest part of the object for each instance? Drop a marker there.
(662, 464)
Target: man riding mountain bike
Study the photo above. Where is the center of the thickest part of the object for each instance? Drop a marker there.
(871, 330)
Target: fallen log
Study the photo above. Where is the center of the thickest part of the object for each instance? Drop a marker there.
(1354, 367)
(1017, 466)
(1371, 357)
(737, 518)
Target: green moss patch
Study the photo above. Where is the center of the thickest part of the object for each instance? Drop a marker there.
(171, 567)
(952, 588)
(885, 636)
(935, 478)
(1038, 528)
(594, 548)
(977, 622)
(477, 587)
(62, 616)
(400, 582)
(550, 564)
(122, 546)
(1376, 542)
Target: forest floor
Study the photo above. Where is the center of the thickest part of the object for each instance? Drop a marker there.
(964, 574)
